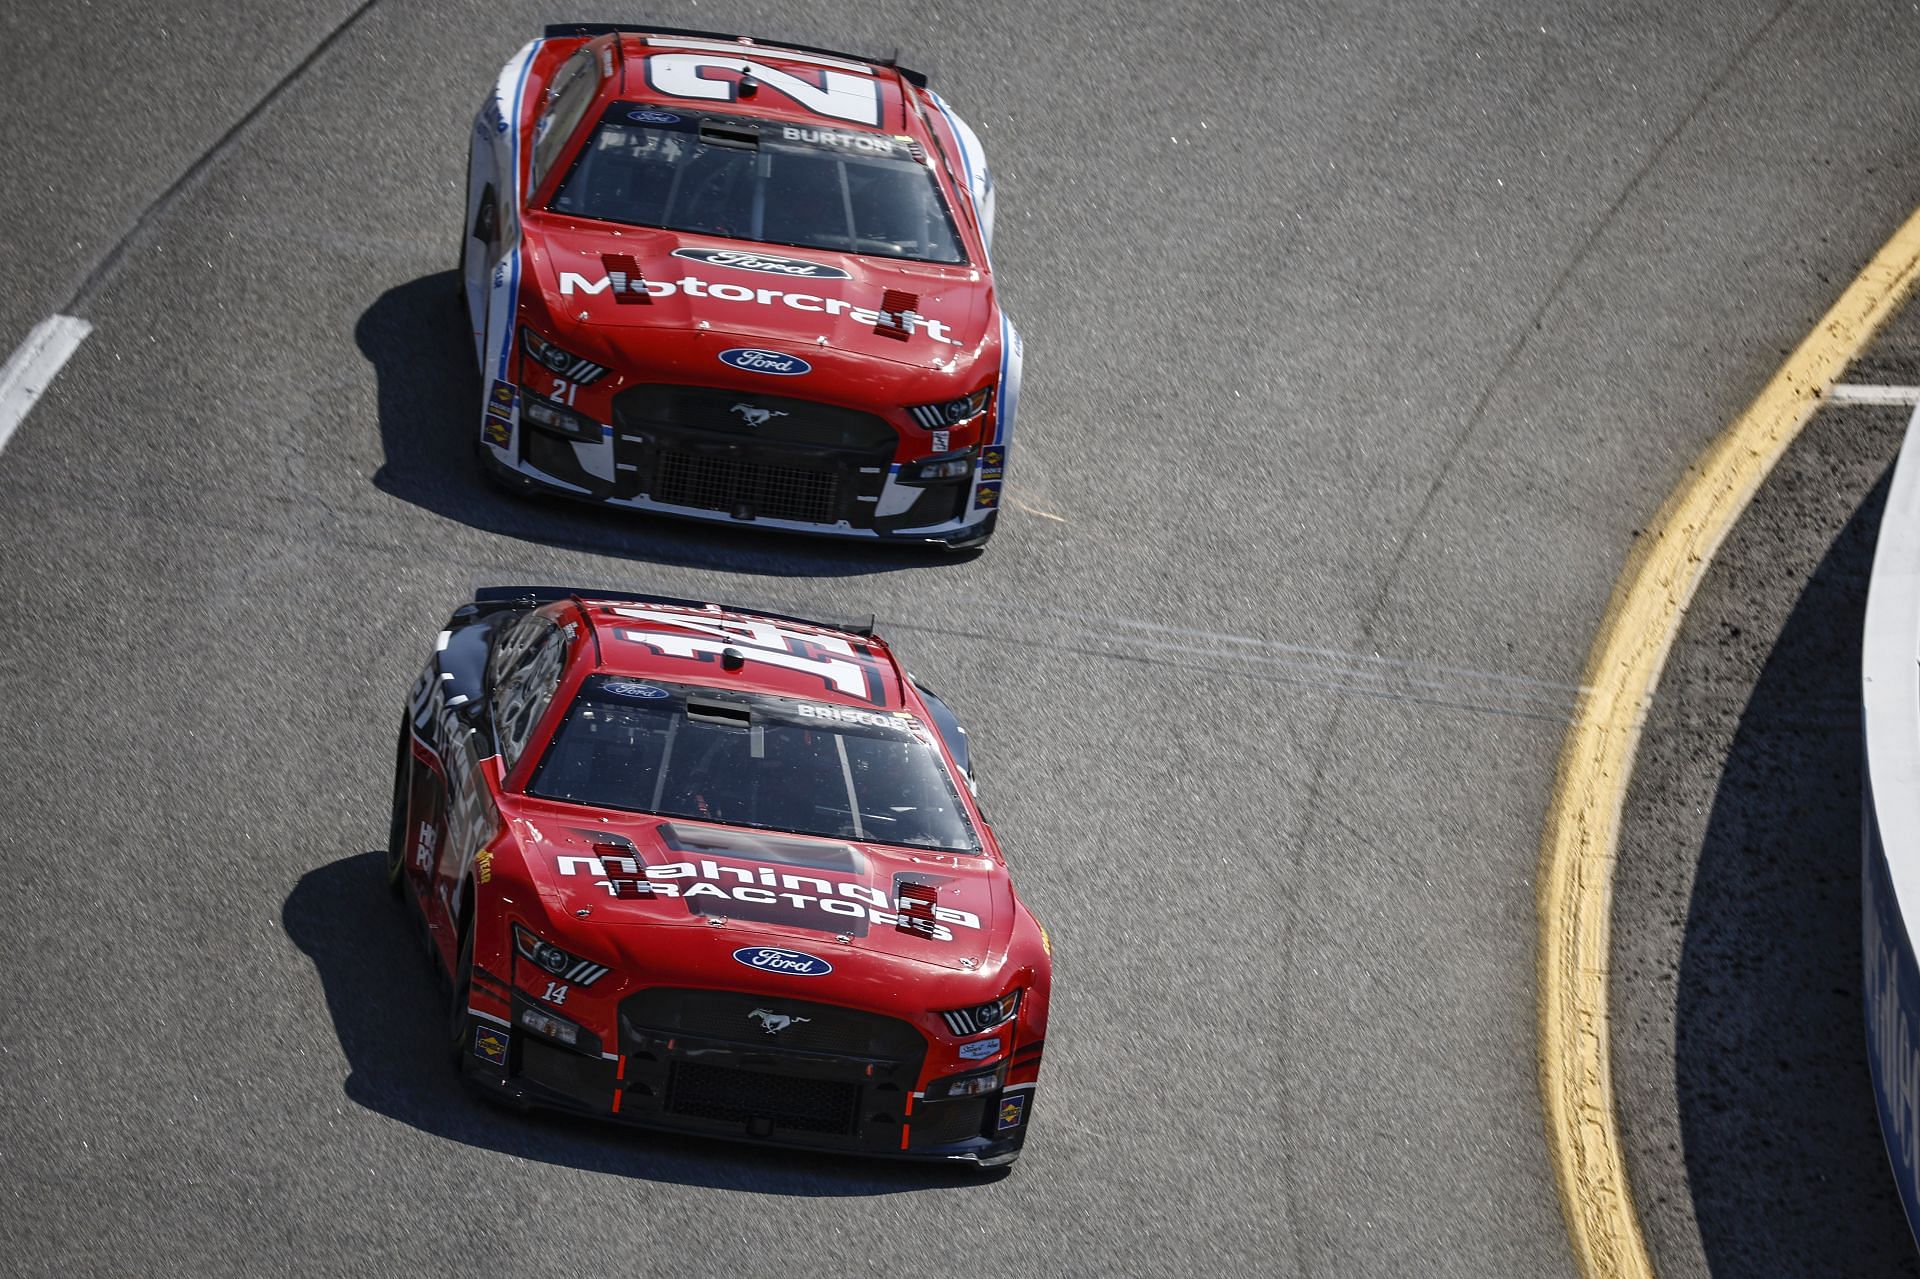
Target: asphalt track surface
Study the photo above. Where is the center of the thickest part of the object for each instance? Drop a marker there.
(1360, 342)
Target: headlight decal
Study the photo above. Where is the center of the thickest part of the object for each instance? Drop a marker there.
(995, 1012)
(949, 413)
(550, 959)
(560, 363)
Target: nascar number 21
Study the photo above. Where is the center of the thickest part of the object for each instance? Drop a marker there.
(714, 871)
(737, 282)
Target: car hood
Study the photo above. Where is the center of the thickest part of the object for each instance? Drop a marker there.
(826, 897)
(798, 301)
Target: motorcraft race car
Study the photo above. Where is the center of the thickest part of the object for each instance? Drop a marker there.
(741, 282)
(714, 871)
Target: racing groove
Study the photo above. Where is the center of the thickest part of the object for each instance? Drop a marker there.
(1360, 342)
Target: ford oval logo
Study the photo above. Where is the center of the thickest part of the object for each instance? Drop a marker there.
(772, 959)
(752, 360)
(766, 263)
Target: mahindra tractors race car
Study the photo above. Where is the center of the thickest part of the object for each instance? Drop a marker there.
(740, 282)
(713, 871)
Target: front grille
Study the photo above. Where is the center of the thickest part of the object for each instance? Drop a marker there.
(669, 1012)
(754, 418)
(729, 1095)
(750, 455)
(735, 485)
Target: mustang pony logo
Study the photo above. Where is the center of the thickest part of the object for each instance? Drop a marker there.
(772, 1022)
(757, 416)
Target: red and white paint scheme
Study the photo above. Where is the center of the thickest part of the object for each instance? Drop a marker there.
(738, 282)
(715, 871)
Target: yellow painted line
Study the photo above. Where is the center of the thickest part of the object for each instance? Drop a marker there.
(1581, 837)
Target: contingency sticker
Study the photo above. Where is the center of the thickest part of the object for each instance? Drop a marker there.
(987, 495)
(1012, 1111)
(993, 462)
(490, 1044)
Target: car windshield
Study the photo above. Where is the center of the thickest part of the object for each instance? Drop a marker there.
(771, 762)
(845, 190)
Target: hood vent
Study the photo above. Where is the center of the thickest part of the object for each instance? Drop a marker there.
(629, 286)
(895, 306)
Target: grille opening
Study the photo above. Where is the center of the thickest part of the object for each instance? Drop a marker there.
(745, 488)
(728, 1095)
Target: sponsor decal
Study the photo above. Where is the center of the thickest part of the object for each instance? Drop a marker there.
(644, 692)
(993, 462)
(496, 432)
(941, 441)
(653, 117)
(501, 396)
(1013, 1110)
(483, 865)
(754, 415)
(490, 1044)
(765, 263)
(774, 959)
(986, 496)
(753, 360)
(980, 1049)
(849, 715)
(830, 658)
(909, 322)
(772, 1022)
(871, 143)
(623, 875)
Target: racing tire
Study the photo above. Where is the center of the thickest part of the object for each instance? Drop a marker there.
(397, 821)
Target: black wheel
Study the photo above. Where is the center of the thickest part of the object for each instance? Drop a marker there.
(457, 1010)
(397, 822)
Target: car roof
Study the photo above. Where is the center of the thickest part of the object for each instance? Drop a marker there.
(687, 643)
(813, 67)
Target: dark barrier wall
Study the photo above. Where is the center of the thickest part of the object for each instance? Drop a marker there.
(1893, 1016)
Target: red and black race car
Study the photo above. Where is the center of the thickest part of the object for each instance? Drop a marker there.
(734, 281)
(715, 871)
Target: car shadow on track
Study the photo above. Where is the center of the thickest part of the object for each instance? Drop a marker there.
(387, 1008)
(1783, 1152)
(415, 337)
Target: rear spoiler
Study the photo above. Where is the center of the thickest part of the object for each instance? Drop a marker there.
(534, 596)
(568, 30)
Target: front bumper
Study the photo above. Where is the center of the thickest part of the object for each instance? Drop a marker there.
(849, 1087)
(845, 483)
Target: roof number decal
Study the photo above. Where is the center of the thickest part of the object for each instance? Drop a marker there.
(712, 77)
(829, 658)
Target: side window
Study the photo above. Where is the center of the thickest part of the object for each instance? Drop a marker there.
(567, 101)
(528, 663)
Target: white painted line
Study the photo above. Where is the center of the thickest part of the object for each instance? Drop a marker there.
(1864, 393)
(31, 369)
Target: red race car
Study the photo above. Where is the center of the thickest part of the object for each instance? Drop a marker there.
(715, 871)
(733, 281)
